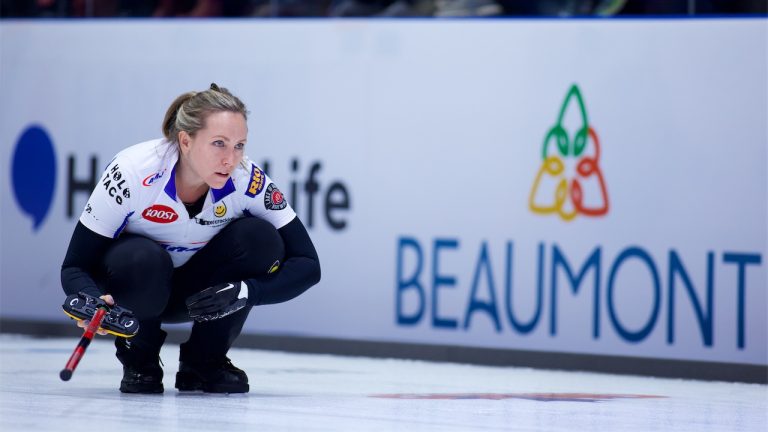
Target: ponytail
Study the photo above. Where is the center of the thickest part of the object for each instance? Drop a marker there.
(170, 131)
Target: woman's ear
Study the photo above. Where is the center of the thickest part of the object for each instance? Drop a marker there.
(184, 141)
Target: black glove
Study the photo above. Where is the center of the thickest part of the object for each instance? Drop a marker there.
(218, 301)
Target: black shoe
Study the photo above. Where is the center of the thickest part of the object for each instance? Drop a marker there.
(145, 379)
(140, 357)
(211, 377)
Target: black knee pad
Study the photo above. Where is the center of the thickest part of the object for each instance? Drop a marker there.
(137, 254)
(257, 243)
(138, 273)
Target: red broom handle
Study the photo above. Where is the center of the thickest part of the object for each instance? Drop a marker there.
(90, 331)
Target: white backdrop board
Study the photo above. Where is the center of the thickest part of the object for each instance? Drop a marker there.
(583, 186)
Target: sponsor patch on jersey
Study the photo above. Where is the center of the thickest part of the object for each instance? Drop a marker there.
(273, 198)
(148, 180)
(172, 248)
(257, 182)
(213, 223)
(220, 210)
(159, 213)
(113, 183)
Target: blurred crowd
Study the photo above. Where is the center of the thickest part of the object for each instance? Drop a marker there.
(371, 8)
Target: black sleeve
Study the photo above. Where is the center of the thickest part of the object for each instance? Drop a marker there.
(299, 271)
(84, 255)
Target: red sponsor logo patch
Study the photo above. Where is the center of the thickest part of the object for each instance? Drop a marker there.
(159, 214)
(277, 197)
(273, 198)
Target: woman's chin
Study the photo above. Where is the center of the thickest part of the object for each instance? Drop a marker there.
(218, 181)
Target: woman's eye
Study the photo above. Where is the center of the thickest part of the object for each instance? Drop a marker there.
(218, 143)
(240, 146)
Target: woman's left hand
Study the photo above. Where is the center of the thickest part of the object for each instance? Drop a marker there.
(84, 323)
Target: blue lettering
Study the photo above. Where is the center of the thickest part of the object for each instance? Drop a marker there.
(171, 248)
(742, 260)
(704, 318)
(411, 290)
(478, 305)
(439, 280)
(558, 260)
(410, 283)
(646, 330)
(530, 325)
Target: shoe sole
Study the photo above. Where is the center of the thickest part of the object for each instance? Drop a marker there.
(190, 382)
(142, 389)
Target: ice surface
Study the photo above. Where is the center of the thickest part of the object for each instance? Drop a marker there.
(331, 393)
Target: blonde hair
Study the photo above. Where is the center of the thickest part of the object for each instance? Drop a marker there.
(188, 112)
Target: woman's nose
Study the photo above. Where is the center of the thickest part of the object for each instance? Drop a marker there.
(229, 159)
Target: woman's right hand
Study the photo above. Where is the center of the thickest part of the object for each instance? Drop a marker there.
(84, 323)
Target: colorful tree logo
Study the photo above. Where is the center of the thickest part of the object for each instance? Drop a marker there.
(569, 181)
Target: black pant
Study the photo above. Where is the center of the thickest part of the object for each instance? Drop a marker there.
(140, 276)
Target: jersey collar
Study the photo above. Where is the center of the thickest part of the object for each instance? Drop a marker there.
(216, 194)
(170, 186)
(227, 189)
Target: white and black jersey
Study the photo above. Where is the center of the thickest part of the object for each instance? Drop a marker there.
(137, 194)
(136, 197)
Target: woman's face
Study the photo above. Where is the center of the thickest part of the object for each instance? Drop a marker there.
(216, 150)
